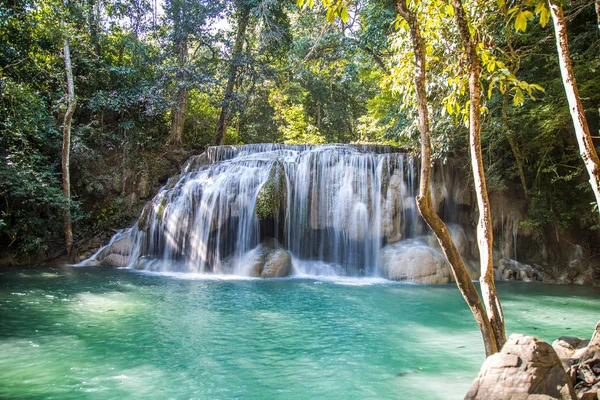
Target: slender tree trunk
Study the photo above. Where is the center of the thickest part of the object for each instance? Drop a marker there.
(582, 130)
(424, 203)
(71, 103)
(598, 12)
(94, 21)
(318, 116)
(485, 235)
(514, 146)
(243, 20)
(181, 100)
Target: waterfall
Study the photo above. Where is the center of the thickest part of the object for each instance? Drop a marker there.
(332, 208)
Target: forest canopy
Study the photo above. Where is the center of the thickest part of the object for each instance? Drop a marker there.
(171, 74)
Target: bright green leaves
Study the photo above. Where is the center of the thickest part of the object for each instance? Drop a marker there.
(520, 21)
(505, 80)
(521, 17)
(335, 8)
(543, 10)
(522, 13)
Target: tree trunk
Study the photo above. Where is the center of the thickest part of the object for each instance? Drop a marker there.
(181, 99)
(512, 141)
(598, 12)
(71, 103)
(485, 235)
(582, 131)
(94, 21)
(243, 20)
(424, 203)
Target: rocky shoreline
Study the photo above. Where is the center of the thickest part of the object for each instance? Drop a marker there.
(528, 368)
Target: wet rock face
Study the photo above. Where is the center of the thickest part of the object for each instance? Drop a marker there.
(116, 254)
(511, 270)
(526, 369)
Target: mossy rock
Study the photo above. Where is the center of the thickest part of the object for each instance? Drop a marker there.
(271, 196)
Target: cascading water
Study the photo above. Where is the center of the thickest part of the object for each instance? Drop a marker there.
(333, 209)
(338, 204)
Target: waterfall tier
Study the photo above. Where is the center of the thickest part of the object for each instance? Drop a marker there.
(336, 209)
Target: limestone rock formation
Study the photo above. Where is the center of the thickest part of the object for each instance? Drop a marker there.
(116, 254)
(511, 270)
(526, 369)
(269, 260)
(415, 261)
(569, 349)
(585, 369)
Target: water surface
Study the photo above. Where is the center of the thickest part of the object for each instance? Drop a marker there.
(85, 333)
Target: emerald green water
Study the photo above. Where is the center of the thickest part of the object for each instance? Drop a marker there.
(84, 333)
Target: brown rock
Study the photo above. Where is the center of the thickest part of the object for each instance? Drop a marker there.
(569, 348)
(270, 260)
(115, 260)
(526, 369)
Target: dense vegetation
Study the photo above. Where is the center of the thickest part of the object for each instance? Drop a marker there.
(160, 76)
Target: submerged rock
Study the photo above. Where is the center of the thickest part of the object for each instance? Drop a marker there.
(526, 369)
(414, 261)
(269, 260)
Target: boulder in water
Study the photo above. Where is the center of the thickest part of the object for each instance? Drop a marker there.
(414, 261)
(526, 369)
(115, 260)
(115, 254)
(269, 260)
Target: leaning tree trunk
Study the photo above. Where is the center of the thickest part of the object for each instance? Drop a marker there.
(582, 130)
(71, 103)
(485, 235)
(424, 202)
(181, 99)
(243, 20)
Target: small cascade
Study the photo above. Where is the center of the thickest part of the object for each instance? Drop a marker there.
(258, 209)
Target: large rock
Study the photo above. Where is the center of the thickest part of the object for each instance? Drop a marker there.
(269, 260)
(511, 270)
(526, 369)
(271, 196)
(115, 254)
(585, 373)
(414, 261)
(569, 349)
(391, 219)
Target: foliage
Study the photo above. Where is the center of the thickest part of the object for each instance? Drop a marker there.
(302, 79)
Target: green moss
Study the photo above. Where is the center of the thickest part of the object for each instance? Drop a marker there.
(161, 208)
(271, 196)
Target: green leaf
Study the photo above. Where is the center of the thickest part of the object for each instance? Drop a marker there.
(344, 15)
(544, 16)
(500, 3)
(520, 21)
(538, 87)
(450, 10)
(519, 97)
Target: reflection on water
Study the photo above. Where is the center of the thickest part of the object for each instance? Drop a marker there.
(103, 334)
